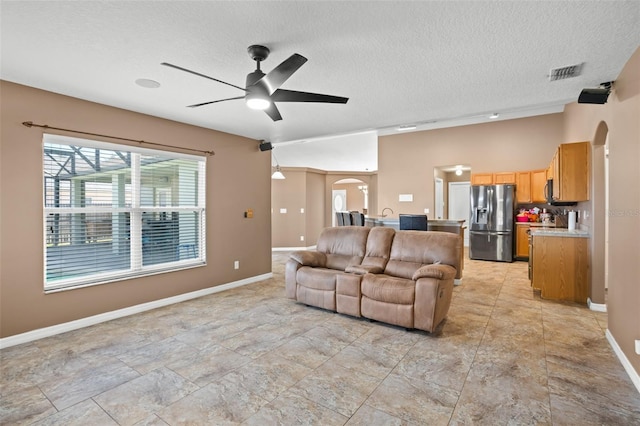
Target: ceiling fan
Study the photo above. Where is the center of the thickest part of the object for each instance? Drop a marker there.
(262, 90)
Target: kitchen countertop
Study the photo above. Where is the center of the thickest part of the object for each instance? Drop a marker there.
(559, 232)
(395, 220)
(537, 224)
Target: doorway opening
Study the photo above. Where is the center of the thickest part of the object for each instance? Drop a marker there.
(600, 207)
(349, 195)
(442, 176)
(459, 205)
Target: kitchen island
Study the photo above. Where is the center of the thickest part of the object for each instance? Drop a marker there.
(560, 264)
(442, 225)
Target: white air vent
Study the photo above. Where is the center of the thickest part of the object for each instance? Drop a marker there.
(565, 72)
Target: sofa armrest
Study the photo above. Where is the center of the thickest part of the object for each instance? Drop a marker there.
(438, 271)
(309, 258)
(364, 269)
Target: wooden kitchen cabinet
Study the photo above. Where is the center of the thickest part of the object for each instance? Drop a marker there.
(561, 267)
(504, 177)
(570, 172)
(523, 187)
(481, 178)
(522, 241)
(493, 178)
(538, 182)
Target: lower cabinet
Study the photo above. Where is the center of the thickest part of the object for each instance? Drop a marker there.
(522, 241)
(561, 267)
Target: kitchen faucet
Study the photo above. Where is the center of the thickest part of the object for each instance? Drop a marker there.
(386, 208)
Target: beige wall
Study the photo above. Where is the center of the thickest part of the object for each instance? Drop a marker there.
(315, 207)
(237, 179)
(310, 189)
(289, 194)
(621, 116)
(302, 194)
(406, 161)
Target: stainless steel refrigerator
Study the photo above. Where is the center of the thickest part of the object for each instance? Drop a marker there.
(491, 222)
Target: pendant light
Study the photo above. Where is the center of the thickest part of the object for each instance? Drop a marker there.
(278, 173)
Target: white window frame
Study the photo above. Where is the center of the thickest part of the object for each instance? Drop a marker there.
(135, 210)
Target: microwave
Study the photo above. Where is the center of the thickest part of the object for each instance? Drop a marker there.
(548, 195)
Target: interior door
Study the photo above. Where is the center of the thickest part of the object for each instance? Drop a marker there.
(338, 203)
(459, 205)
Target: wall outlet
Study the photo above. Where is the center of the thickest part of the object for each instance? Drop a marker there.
(301, 237)
(283, 211)
(426, 211)
(236, 264)
(638, 347)
(302, 210)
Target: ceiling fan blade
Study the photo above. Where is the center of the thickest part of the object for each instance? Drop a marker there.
(213, 102)
(273, 112)
(277, 76)
(166, 64)
(294, 96)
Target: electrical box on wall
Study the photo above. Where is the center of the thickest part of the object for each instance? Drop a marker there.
(248, 214)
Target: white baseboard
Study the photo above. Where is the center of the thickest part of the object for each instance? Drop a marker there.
(598, 307)
(633, 374)
(41, 333)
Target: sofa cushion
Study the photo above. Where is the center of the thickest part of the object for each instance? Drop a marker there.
(378, 249)
(385, 288)
(317, 278)
(362, 269)
(411, 250)
(343, 245)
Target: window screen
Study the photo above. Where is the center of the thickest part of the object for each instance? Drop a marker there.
(115, 212)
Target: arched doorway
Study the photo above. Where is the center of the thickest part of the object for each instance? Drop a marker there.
(349, 194)
(599, 193)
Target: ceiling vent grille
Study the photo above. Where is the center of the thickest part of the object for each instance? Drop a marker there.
(565, 72)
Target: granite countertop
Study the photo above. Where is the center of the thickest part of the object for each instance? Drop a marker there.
(559, 232)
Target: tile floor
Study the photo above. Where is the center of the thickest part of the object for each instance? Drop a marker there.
(251, 356)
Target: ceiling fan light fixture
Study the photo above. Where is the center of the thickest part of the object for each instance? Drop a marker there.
(255, 101)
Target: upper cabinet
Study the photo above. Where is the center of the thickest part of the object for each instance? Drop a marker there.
(493, 178)
(569, 170)
(504, 177)
(538, 181)
(523, 187)
(481, 178)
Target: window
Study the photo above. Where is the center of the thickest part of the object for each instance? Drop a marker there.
(113, 212)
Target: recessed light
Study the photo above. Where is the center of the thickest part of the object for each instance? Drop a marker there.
(494, 116)
(147, 84)
(404, 127)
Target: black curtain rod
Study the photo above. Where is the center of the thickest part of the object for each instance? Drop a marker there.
(45, 126)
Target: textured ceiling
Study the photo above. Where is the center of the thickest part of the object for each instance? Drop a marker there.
(398, 62)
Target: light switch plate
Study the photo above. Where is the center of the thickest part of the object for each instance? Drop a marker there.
(638, 347)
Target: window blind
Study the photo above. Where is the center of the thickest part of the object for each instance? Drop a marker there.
(114, 212)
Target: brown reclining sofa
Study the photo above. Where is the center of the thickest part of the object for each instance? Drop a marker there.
(403, 278)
